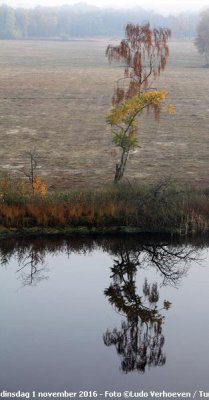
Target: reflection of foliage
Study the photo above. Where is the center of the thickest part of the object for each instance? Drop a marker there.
(30, 254)
(140, 340)
(139, 345)
(31, 267)
(170, 261)
(159, 253)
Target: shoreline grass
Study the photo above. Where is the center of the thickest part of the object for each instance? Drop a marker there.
(159, 208)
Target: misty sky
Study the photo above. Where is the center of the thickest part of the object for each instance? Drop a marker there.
(161, 6)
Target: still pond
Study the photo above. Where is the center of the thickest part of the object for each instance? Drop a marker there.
(104, 314)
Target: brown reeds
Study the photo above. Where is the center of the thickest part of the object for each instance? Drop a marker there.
(149, 209)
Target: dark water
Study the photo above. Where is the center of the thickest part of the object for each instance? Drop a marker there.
(108, 314)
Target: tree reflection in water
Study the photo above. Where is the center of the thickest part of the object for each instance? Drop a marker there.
(31, 267)
(31, 253)
(30, 256)
(139, 342)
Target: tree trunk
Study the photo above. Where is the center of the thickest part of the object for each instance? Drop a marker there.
(120, 167)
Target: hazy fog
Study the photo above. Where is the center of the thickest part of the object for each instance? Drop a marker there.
(161, 6)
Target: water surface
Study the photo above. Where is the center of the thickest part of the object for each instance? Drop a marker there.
(106, 314)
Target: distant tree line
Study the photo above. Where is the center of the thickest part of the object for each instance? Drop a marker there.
(83, 21)
(202, 39)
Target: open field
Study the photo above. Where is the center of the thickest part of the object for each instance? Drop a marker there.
(54, 96)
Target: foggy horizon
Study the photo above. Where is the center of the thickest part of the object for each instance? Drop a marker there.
(174, 6)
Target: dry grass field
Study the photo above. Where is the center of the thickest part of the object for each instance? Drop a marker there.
(54, 97)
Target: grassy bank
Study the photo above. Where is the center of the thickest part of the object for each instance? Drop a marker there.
(130, 208)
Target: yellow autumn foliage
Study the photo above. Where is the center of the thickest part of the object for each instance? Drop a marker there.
(171, 109)
(130, 108)
(39, 187)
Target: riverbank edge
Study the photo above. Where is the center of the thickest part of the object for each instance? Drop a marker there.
(158, 209)
(85, 231)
